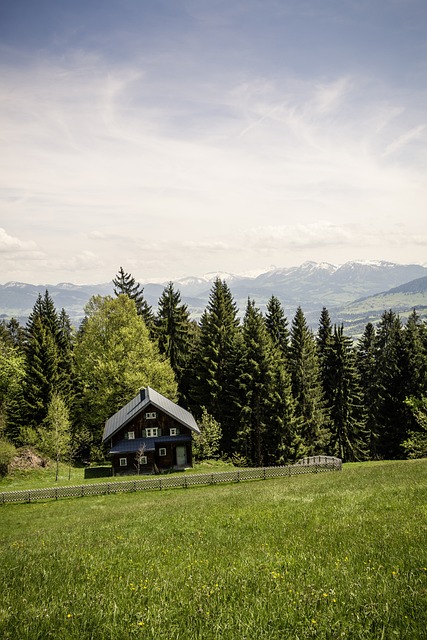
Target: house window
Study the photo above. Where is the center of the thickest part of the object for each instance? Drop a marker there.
(143, 460)
(152, 432)
(131, 435)
(123, 462)
(151, 416)
(162, 451)
(174, 431)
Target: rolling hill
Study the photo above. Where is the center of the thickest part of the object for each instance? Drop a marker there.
(354, 293)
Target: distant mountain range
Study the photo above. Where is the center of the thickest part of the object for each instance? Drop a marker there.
(354, 293)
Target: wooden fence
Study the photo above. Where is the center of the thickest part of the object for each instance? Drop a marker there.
(314, 464)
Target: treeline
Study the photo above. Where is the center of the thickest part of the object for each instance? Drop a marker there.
(278, 391)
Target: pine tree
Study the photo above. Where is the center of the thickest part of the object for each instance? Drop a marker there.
(307, 387)
(12, 332)
(16, 332)
(214, 383)
(42, 360)
(324, 340)
(393, 414)
(348, 434)
(256, 384)
(415, 356)
(66, 386)
(277, 325)
(267, 423)
(282, 442)
(125, 283)
(366, 362)
(173, 325)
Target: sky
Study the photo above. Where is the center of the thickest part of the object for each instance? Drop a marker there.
(182, 137)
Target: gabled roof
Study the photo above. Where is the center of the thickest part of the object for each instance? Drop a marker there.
(145, 398)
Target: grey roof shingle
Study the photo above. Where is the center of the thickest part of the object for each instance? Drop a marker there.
(145, 398)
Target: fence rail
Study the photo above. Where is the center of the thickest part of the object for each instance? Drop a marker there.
(314, 464)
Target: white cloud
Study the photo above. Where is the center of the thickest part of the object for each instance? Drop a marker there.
(317, 234)
(405, 138)
(9, 244)
(84, 261)
(108, 166)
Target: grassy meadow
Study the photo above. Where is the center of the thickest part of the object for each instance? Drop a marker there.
(332, 555)
(41, 478)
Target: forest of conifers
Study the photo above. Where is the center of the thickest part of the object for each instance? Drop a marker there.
(277, 389)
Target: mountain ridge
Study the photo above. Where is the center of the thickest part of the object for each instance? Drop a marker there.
(343, 289)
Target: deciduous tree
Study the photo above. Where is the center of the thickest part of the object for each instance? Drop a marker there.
(115, 358)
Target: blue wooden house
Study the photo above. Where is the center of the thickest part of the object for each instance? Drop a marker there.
(149, 434)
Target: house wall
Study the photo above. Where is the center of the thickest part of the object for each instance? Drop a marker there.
(153, 460)
(138, 425)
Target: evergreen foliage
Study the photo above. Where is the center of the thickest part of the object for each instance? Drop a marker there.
(366, 362)
(270, 394)
(214, 384)
(48, 360)
(324, 342)
(255, 382)
(125, 283)
(267, 426)
(345, 405)
(172, 327)
(393, 414)
(307, 387)
(277, 325)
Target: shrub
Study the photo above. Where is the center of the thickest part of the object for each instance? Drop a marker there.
(7, 453)
(206, 445)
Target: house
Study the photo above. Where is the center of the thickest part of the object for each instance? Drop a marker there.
(150, 432)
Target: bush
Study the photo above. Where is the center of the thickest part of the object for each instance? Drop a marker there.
(206, 445)
(7, 454)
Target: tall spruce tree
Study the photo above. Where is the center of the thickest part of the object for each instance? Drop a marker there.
(125, 283)
(256, 385)
(267, 434)
(65, 341)
(393, 414)
(277, 325)
(173, 327)
(324, 341)
(307, 387)
(415, 356)
(347, 420)
(44, 357)
(366, 362)
(214, 383)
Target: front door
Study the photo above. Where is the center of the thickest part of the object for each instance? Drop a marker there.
(181, 456)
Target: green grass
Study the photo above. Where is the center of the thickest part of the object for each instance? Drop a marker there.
(333, 555)
(45, 477)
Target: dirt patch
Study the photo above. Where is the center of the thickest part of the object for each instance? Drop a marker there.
(28, 459)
